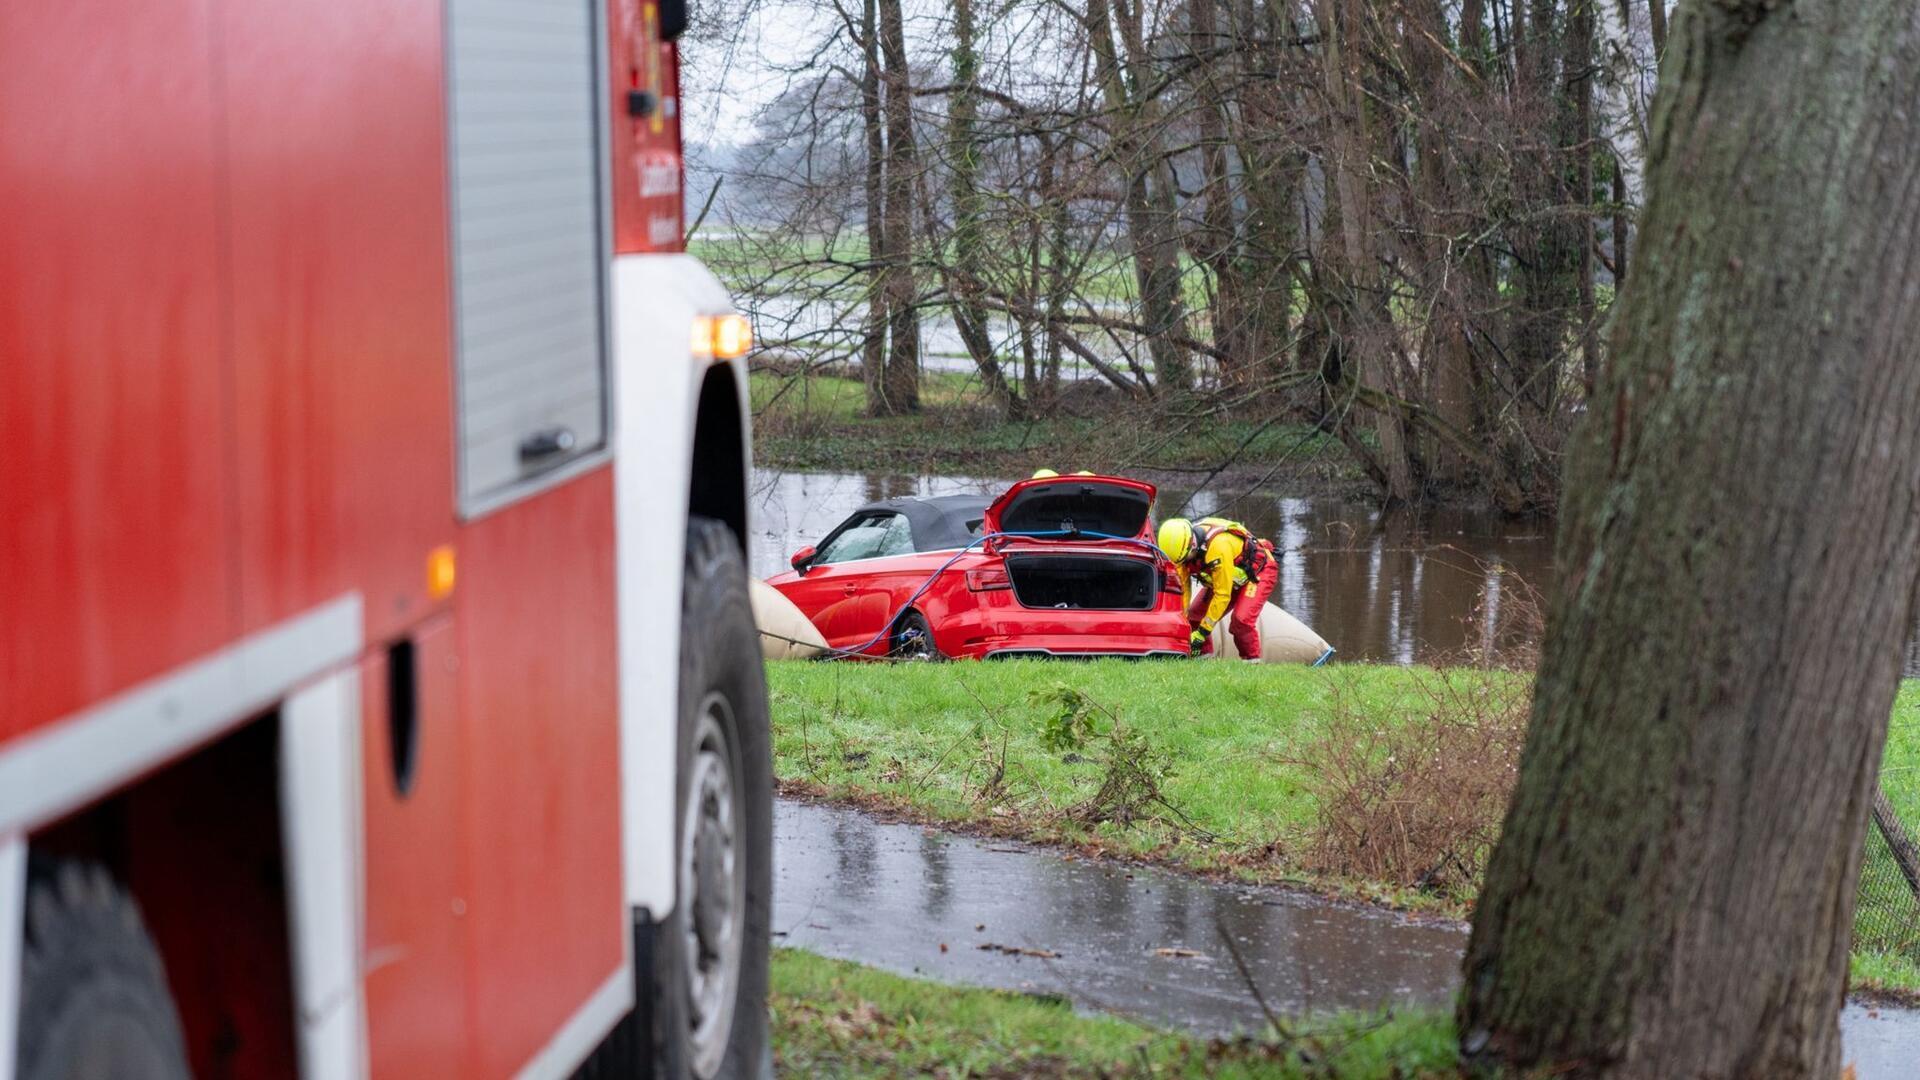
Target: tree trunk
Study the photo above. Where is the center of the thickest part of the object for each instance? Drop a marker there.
(1367, 325)
(903, 320)
(1272, 167)
(1578, 75)
(1153, 234)
(1673, 893)
(1619, 224)
(1438, 206)
(1217, 248)
(969, 216)
(1059, 254)
(873, 344)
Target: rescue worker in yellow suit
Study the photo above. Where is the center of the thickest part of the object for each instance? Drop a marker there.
(1235, 570)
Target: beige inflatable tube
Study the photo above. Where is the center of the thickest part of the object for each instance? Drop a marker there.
(785, 634)
(1283, 639)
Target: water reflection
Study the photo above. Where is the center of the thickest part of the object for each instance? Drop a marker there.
(1103, 923)
(846, 886)
(1379, 587)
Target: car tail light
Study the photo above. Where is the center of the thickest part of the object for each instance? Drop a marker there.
(987, 580)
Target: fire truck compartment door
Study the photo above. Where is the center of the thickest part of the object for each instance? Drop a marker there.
(529, 242)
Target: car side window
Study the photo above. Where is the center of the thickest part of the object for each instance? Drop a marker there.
(899, 538)
(874, 536)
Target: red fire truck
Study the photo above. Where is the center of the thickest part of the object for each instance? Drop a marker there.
(378, 692)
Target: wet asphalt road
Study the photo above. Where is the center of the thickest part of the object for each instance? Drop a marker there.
(1134, 941)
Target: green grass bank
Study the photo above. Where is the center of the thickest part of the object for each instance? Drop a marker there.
(966, 744)
(832, 1018)
(1221, 769)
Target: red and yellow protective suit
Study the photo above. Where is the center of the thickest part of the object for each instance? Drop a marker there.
(1231, 570)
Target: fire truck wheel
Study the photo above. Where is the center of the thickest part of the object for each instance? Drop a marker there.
(93, 995)
(712, 1019)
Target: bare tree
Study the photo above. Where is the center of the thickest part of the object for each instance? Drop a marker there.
(902, 380)
(1379, 219)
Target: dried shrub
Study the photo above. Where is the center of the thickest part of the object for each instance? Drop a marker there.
(1131, 771)
(1413, 791)
(1414, 795)
(1511, 617)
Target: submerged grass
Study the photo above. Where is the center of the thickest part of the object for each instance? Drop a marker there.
(832, 1018)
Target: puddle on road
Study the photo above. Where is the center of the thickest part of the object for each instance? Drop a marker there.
(890, 896)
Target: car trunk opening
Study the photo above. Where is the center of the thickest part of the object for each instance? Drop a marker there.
(1085, 582)
(1073, 506)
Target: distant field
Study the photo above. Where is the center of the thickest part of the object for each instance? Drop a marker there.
(820, 422)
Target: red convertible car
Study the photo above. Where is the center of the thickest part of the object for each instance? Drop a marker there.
(1056, 566)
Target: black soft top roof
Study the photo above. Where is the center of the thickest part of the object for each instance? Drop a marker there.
(940, 523)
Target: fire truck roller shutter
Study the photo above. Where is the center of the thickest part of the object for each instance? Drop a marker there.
(529, 259)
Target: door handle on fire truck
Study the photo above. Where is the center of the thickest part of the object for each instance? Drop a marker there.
(545, 443)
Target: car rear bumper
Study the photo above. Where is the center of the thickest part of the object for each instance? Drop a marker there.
(1019, 651)
(1080, 645)
(1000, 625)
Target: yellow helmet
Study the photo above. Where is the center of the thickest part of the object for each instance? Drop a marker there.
(1177, 539)
(1043, 474)
(1086, 472)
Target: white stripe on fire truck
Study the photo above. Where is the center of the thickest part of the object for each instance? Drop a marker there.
(62, 767)
(584, 1030)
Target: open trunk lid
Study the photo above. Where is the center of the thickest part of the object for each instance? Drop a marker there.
(1074, 508)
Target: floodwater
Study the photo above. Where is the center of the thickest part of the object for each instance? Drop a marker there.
(929, 904)
(1378, 587)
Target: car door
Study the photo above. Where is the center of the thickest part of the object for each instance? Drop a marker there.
(839, 591)
(869, 573)
(818, 589)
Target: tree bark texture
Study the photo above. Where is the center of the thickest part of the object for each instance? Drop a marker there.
(1673, 893)
(969, 215)
(1217, 245)
(903, 319)
(873, 345)
(1368, 323)
(1153, 235)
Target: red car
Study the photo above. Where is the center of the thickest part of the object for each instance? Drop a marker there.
(1056, 566)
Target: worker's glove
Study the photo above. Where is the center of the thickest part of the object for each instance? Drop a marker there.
(1197, 643)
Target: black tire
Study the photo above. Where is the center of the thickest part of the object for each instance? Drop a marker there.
(724, 743)
(913, 638)
(94, 1002)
